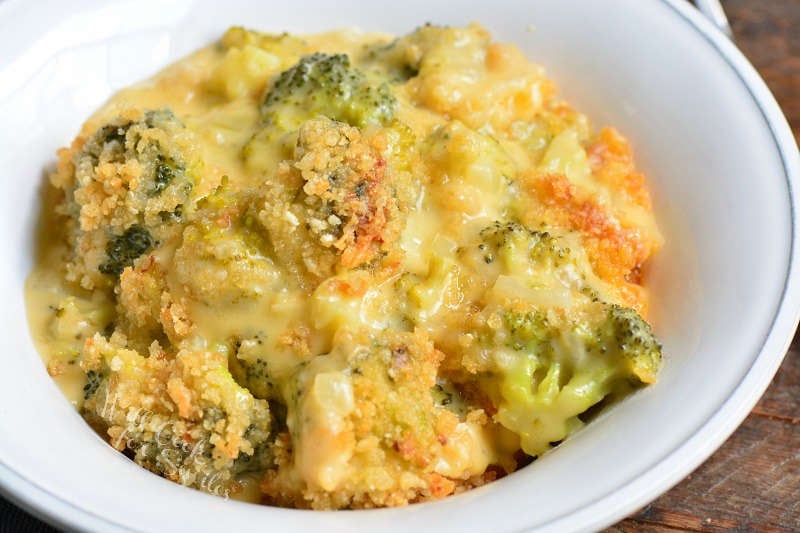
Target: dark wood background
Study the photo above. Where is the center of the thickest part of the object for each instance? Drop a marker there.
(752, 483)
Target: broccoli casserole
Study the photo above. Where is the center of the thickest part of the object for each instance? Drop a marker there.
(343, 270)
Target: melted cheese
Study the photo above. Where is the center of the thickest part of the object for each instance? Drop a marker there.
(489, 141)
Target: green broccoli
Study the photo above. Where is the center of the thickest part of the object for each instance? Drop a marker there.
(597, 330)
(346, 210)
(124, 249)
(545, 369)
(249, 367)
(197, 427)
(157, 142)
(323, 84)
(164, 174)
(549, 342)
(529, 332)
(627, 330)
(93, 381)
(373, 389)
(188, 458)
(546, 270)
(511, 243)
(122, 139)
(129, 182)
(392, 58)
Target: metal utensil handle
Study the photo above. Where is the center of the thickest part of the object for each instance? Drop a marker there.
(713, 11)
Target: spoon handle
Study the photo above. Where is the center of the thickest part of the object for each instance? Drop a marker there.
(713, 11)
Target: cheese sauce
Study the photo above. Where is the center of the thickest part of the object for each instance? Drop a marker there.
(342, 270)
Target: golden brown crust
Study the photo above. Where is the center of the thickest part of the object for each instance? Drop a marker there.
(394, 435)
(616, 252)
(181, 415)
(139, 169)
(335, 193)
(306, 302)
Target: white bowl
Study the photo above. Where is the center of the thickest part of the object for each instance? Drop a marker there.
(723, 168)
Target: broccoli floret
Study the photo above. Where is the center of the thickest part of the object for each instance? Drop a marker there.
(392, 58)
(549, 341)
(164, 175)
(238, 253)
(529, 332)
(124, 249)
(261, 459)
(542, 268)
(511, 243)
(345, 210)
(545, 369)
(368, 420)
(136, 171)
(250, 369)
(634, 337)
(426, 299)
(93, 381)
(323, 84)
(124, 138)
(599, 330)
(181, 416)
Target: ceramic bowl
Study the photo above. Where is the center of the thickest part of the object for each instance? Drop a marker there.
(723, 168)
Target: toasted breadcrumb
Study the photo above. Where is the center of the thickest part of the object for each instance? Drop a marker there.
(335, 193)
(392, 307)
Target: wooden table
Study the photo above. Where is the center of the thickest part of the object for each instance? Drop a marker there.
(752, 483)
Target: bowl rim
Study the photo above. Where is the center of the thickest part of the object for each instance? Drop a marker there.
(645, 486)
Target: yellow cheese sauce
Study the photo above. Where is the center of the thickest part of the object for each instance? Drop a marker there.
(343, 270)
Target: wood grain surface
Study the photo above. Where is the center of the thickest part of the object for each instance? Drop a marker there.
(752, 483)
